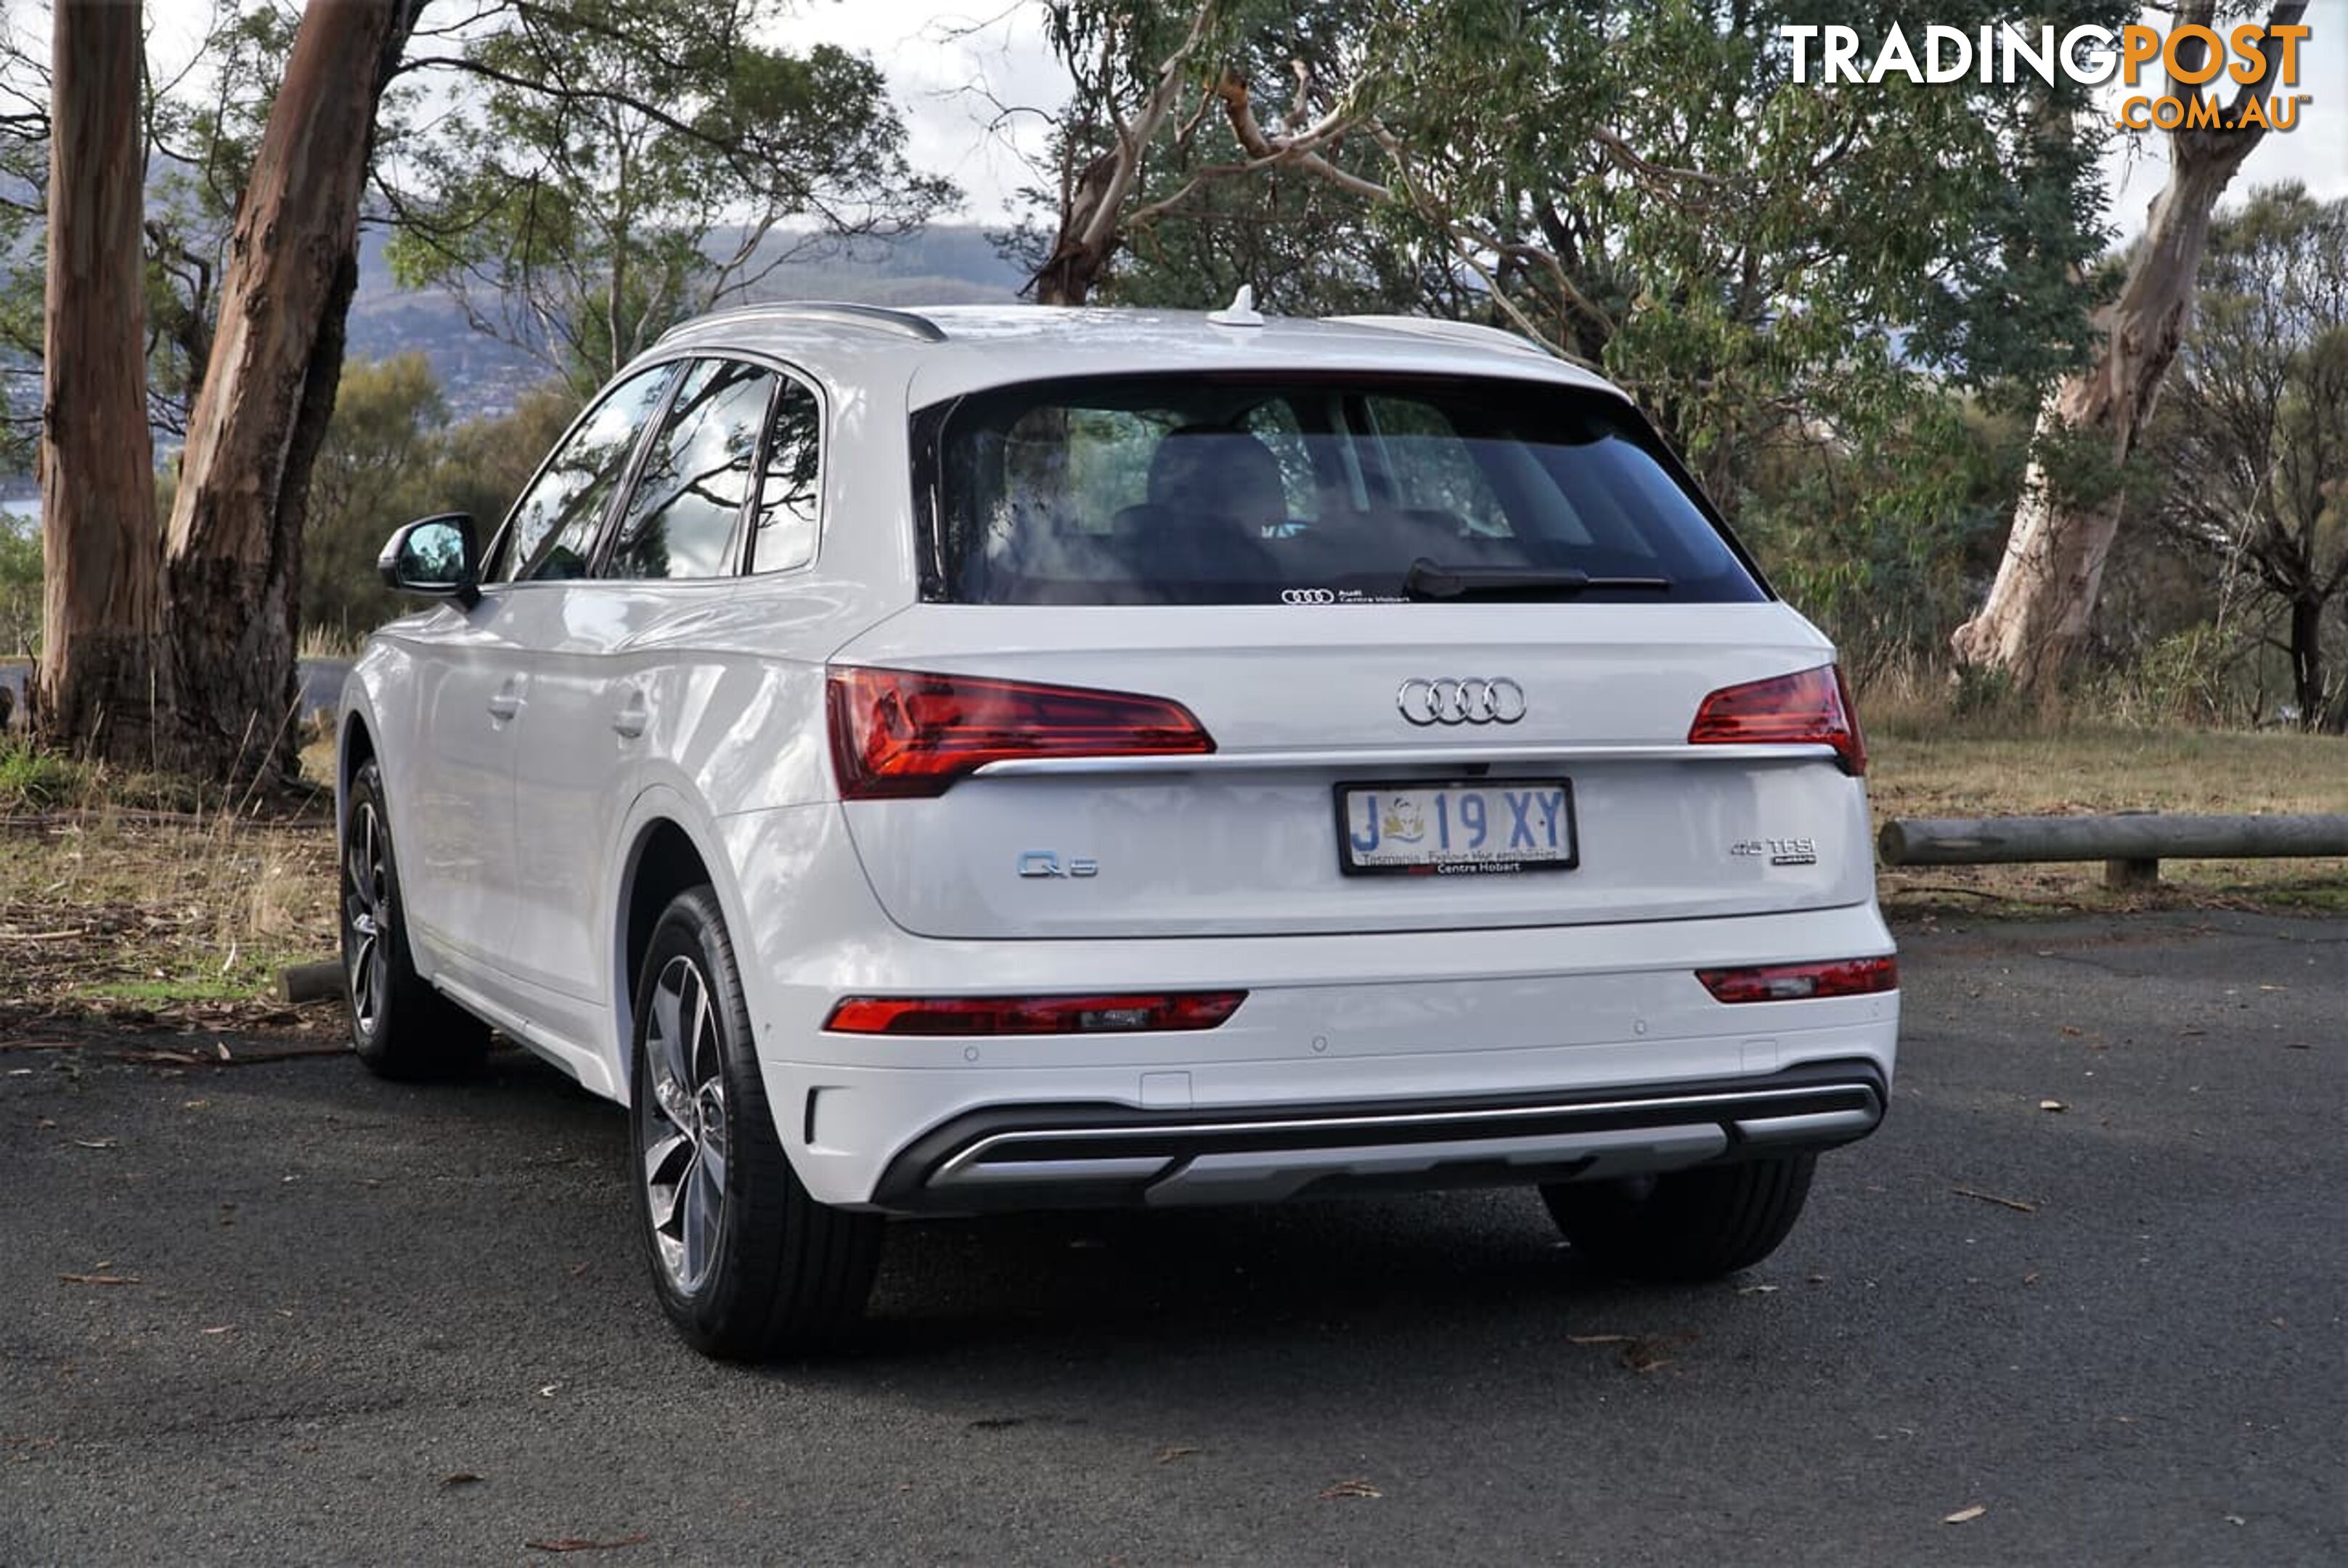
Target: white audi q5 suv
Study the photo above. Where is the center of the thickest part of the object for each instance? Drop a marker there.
(1012, 758)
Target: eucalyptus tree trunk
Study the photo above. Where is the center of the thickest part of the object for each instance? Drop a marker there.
(2310, 681)
(103, 678)
(233, 558)
(2039, 610)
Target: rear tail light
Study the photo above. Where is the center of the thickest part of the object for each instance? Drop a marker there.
(1803, 982)
(909, 733)
(1118, 1013)
(1809, 707)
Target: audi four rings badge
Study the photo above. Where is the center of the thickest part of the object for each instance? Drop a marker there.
(1476, 701)
(1308, 596)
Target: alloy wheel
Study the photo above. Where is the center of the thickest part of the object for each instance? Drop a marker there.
(366, 915)
(684, 1138)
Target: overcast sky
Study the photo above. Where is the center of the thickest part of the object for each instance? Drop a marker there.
(932, 55)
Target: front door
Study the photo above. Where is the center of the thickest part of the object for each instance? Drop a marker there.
(448, 782)
(543, 553)
(603, 655)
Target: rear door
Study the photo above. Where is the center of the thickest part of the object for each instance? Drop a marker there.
(1447, 644)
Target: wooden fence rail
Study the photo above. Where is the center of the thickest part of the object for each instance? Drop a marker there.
(2131, 845)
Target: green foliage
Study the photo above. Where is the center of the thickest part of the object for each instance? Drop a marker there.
(20, 586)
(611, 166)
(2247, 461)
(1870, 531)
(34, 780)
(1796, 280)
(1196, 233)
(389, 457)
(1740, 251)
(374, 472)
(1982, 690)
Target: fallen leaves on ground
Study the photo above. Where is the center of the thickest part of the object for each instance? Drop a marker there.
(459, 1478)
(1168, 1455)
(1966, 1515)
(583, 1544)
(1357, 1487)
(118, 924)
(99, 1279)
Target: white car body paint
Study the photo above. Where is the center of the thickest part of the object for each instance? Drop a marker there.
(530, 743)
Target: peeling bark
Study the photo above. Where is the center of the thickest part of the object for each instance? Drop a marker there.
(103, 679)
(234, 545)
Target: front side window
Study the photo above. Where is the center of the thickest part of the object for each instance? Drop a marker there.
(1314, 489)
(683, 520)
(785, 532)
(553, 525)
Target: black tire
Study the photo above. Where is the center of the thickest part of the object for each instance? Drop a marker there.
(1685, 1225)
(401, 1028)
(746, 1265)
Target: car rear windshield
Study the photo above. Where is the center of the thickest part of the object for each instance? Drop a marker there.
(1215, 490)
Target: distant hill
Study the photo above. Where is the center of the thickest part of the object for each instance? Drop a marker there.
(942, 265)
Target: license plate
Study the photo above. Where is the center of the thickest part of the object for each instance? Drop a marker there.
(1491, 827)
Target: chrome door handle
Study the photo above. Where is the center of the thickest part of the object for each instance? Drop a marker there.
(505, 703)
(629, 721)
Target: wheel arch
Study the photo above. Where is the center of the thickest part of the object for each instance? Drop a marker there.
(667, 852)
(353, 747)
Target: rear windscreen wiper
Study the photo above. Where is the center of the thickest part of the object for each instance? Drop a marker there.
(1425, 579)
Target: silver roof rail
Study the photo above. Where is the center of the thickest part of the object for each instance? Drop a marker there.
(1465, 332)
(908, 324)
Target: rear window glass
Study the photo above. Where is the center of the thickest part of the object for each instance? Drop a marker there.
(1196, 489)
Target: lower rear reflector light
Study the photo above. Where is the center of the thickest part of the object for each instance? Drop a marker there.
(1114, 1013)
(1803, 982)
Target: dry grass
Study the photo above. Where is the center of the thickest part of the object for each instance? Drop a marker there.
(111, 912)
(2055, 773)
(147, 921)
(142, 901)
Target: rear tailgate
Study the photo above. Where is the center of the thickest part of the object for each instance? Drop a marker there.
(1302, 702)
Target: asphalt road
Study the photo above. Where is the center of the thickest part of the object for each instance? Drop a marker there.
(353, 1295)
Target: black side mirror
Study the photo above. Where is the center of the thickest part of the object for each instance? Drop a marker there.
(435, 556)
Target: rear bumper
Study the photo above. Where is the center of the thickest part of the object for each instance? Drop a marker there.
(1535, 1019)
(1032, 1157)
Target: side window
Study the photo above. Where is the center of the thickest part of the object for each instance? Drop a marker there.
(788, 502)
(695, 483)
(555, 523)
(1434, 472)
